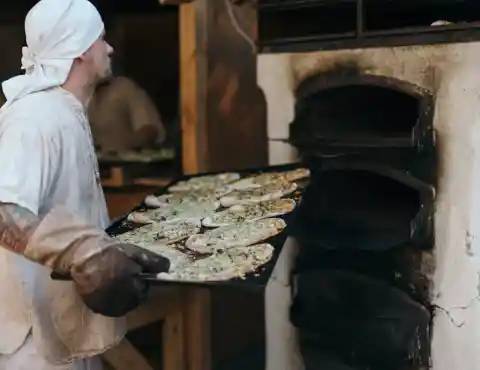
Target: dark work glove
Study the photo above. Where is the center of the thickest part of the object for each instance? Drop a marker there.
(108, 281)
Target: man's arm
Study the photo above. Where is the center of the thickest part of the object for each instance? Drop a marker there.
(58, 239)
(104, 270)
(16, 226)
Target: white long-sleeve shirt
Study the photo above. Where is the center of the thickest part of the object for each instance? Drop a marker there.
(46, 158)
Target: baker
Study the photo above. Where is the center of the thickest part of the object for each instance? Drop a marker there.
(52, 208)
(123, 117)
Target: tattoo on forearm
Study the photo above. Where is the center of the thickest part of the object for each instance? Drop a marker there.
(17, 224)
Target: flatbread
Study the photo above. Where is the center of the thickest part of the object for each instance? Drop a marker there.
(168, 250)
(161, 232)
(180, 198)
(238, 235)
(249, 212)
(186, 211)
(232, 263)
(205, 182)
(172, 252)
(272, 191)
(267, 178)
(297, 174)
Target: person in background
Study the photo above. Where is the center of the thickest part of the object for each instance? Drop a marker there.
(123, 117)
(52, 208)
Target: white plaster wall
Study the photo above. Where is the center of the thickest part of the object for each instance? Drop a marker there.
(452, 74)
(275, 79)
(281, 153)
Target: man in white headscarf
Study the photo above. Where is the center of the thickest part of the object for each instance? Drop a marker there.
(52, 208)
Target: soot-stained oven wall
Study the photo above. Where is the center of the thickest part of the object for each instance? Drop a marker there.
(374, 145)
(449, 74)
(364, 220)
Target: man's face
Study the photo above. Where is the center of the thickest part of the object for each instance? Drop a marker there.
(98, 60)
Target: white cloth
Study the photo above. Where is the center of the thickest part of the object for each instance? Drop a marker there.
(28, 358)
(57, 32)
(47, 157)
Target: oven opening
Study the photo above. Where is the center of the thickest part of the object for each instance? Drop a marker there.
(357, 210)
(350, 321)
(362, 115)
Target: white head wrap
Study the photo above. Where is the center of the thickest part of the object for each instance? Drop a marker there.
(57, 32)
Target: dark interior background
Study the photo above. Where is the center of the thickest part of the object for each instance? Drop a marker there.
(143, 33)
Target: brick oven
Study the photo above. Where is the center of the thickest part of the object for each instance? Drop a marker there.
(381, 271)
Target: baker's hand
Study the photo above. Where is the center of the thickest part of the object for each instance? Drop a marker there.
(108, 281)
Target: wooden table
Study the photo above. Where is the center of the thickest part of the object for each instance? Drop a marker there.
(166, 305)
(197, 326)
(185, 311)
(185, 333)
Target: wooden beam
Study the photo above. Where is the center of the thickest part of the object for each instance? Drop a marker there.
(188, 73)
(174, 341)
(223, 115)
(223, 110)
(192, 62)
(197, 312)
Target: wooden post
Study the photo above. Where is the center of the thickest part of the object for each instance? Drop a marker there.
(192, 70)
(196, 304)
(197, 325)
(222, 108)
(223, 116)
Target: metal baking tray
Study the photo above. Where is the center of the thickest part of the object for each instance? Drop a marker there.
(254, 281)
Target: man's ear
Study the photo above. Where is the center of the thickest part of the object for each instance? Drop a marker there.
(82, 57)
(79, 60)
